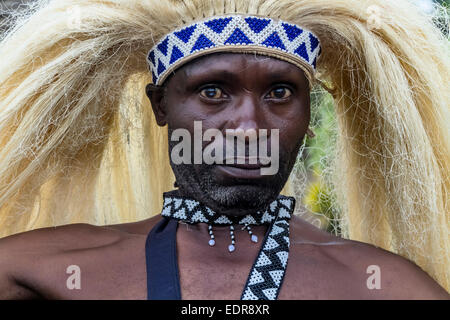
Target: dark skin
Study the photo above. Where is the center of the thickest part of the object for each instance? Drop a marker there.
(112, 258)
(222, 99)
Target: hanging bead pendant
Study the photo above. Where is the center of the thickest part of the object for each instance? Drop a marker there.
(253, 238)
(212, 242)
(231, 247)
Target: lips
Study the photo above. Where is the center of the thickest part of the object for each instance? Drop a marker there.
(239, 171)
(233, 173)
(245, 166)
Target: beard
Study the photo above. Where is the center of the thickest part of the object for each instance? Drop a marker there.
(235, 196)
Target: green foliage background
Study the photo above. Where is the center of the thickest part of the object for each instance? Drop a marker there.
(319, 198)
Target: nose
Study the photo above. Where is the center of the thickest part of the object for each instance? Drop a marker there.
(245, 123)
(246, 115)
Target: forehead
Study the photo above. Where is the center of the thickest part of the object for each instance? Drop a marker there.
(235, 65)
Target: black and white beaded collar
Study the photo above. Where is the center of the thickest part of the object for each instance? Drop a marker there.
(267, 273)
(192, 211)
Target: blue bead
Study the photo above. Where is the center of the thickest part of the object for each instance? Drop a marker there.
(292, 31)
(238, 37)
(217, 25)
(302, 52)
(274, 41)
(176, 54)
(186, 33)
(163, 46)
(151, 56)
(314, 42)
(202, 43)
(257, 24)
(161, 67)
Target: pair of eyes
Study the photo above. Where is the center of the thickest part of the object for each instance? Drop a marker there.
(214, 92)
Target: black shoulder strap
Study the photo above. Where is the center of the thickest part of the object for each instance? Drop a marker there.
(161, 258)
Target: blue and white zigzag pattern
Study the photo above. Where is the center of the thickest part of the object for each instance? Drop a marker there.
(226, 31)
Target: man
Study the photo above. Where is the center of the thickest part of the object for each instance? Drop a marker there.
(199, 248)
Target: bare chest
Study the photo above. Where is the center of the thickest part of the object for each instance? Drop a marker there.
(214, 273)
(305, 278)
(119, 272)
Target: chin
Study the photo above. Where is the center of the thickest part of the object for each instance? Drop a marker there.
(239, 198)
(229, 195)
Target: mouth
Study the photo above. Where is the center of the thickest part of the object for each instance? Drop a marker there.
(245, 166)
(238, 172)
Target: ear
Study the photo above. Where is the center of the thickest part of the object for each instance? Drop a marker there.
(156, 96)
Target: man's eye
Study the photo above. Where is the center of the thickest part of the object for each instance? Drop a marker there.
(280, 93)
(212, 93)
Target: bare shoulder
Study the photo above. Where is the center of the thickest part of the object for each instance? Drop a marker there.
(28, 260)
(52, 240)
(23, 254)
(364, 270)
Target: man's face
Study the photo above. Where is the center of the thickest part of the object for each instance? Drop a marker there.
(235, 91)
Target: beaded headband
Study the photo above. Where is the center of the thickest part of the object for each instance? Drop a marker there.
(235, 33)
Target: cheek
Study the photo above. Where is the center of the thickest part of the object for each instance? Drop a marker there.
(291, 136)
(293, 126)
(183, 114)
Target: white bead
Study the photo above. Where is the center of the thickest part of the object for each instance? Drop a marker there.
(212, 242)
(254, 238)
(231, 248)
